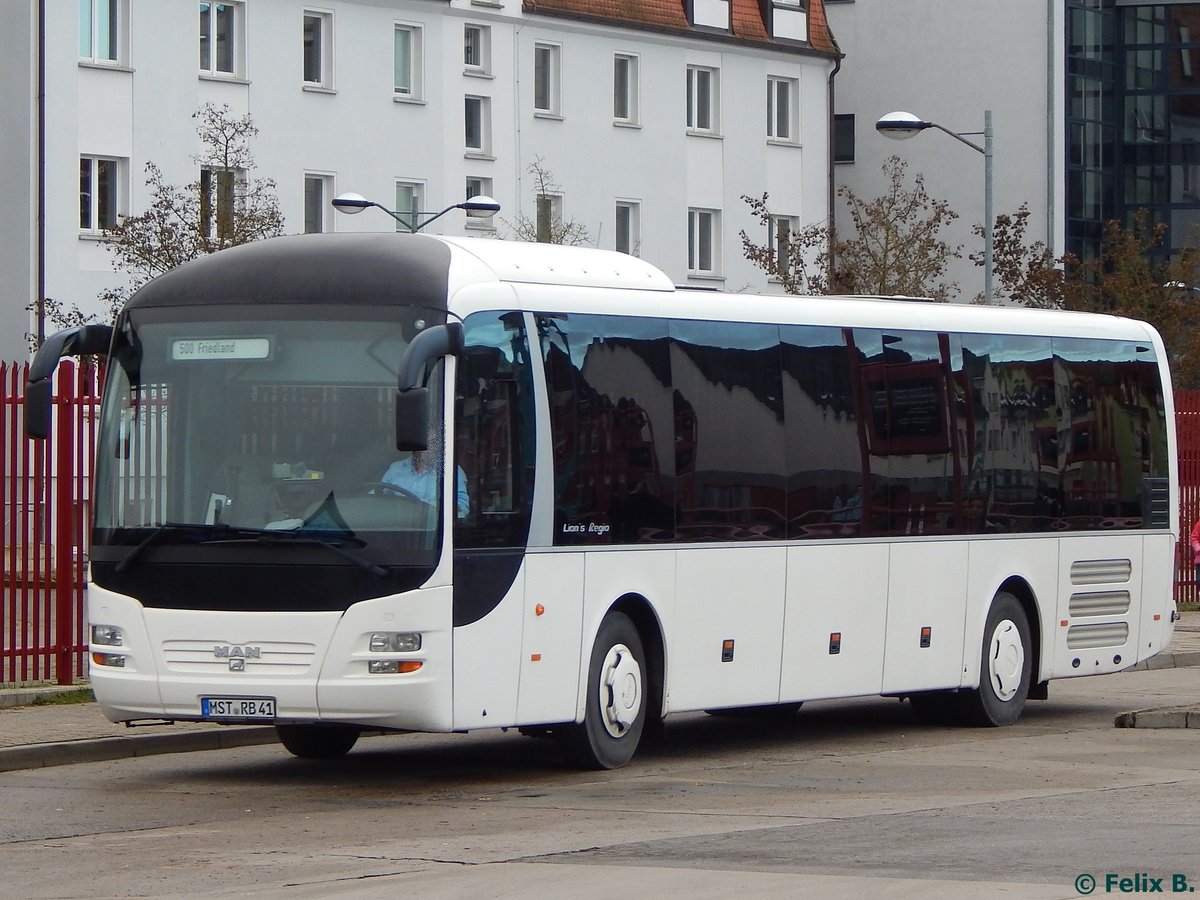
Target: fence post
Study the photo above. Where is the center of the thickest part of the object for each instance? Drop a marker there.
(64, 529)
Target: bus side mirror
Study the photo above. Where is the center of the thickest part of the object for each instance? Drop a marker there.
(412, 397)
(83, 340)
(412, 419)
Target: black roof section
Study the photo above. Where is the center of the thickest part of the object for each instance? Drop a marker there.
(363, 269)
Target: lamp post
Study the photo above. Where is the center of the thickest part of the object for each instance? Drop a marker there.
(903, 125)
(478, 207)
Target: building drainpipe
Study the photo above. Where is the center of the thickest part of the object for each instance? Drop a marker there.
(40, 299)
(831, 219)
(1052, 117)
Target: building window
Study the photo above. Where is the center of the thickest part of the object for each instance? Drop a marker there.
(407, 84)
(218, 202)
(782, 94)
(548, 218)
(221, 29)
(782, 229)
(702, 242)
(318, 191)
(478, 125)
(702, 104)
(546, 78)
(100, 185)
(789, 20)
(101, 23)
(478, 187)
(409, 197)
(625, 88)
(477, 47)
(843, 137)
(318, 49)
(628, 228)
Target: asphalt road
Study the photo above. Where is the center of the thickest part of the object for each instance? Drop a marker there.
(846, 800)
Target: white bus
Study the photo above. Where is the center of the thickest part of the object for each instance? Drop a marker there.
(620, 499)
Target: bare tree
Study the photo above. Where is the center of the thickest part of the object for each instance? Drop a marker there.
(548, 226)
(223, 207)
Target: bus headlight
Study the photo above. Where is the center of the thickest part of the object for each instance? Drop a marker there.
(108, 635)
(395, 641)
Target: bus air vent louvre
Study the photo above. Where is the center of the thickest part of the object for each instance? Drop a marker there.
(1101, 571)
(1099, 603)
(1087, 637)
(1156, 503)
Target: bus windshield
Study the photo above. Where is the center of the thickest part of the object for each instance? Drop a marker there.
(277, 427)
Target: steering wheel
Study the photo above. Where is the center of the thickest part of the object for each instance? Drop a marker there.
(387, 489)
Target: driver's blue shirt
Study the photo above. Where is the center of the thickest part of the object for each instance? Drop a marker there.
(423, 485)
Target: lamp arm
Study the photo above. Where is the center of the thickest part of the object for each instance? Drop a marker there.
(435, 217)
(958, 137)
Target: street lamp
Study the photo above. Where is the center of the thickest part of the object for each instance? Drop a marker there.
(478, 207)
(901, 126)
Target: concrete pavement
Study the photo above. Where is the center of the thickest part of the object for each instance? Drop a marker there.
(34, 736)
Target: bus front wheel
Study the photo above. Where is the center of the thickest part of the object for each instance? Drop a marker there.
(615, 709)
(317, 741)
(1006, 664)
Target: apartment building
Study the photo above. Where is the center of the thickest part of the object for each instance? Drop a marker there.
(653, 119)
(1095, 111)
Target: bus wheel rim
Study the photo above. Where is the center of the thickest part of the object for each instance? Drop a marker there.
(1006, 660)
(620, 690)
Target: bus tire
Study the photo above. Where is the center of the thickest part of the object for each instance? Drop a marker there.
(317, 741)
(1005, 667)
(615, 704)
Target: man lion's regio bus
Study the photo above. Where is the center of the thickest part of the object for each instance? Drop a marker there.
(677, 500)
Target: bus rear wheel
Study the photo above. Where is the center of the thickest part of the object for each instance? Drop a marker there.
(615, 708)
(317, 741)
(1005, 667)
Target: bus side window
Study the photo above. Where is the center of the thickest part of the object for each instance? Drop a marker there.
(493, 432)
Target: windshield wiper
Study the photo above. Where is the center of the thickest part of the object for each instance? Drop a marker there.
(275, 536)
(232, 534)
(152, 537)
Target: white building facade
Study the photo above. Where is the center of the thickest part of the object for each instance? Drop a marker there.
(653, 120)
(948, 63)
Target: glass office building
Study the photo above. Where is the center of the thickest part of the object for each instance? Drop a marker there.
(1133, 118)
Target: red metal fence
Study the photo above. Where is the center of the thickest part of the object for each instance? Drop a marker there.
(47, 504)
(1187, 423)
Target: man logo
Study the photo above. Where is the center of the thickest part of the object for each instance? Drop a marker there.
(237, 665)
(227, 651)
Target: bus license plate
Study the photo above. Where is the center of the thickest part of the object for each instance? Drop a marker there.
(237, 707)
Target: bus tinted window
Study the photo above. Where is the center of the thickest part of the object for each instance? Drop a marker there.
(729, 436)
(612, 417)
(821, 433)
(494, 437)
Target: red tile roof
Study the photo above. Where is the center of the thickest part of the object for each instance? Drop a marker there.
(671, 15)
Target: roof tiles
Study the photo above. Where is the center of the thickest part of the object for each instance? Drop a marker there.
(748, 22)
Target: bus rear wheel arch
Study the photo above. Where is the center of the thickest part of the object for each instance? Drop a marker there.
(617, 698)
(1007, 658)
(1005, 666)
